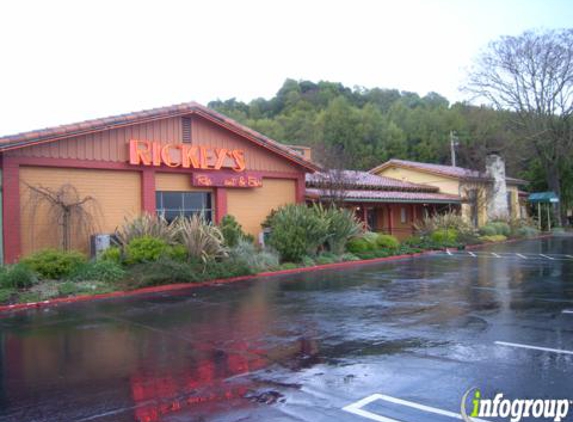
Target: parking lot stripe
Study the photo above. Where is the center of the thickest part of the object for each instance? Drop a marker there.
(567, 311)
(521, 256)
(472, 254)
(496, 255)
(356, 408)
(525, 346)
(548, 257)
(448, 252)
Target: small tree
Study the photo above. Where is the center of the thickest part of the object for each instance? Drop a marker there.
(531, 75)
(67, 210)
(335, 180)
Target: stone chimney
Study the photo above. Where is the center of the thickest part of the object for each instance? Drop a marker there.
(497, 206)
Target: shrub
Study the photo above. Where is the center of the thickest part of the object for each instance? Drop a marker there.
(106, 271)
(146, 225)
(307, 261)
(288, 266)
(488, 230)
(341, 225)
(371, 238)
(494, 238)
(495, 228)
(54, 264)
(444, 237)
(111, 254)
(415, 242)
(296, 231)
(232, 231)
(527, 232)
(349, 257)
(92, 287)
(6, 294)
(163, 271)
(358, 245)
(17, 276)
(226, 269)
(67, 288)
(177, 253)
(501, 227)
(29, 297)
(326, 258)
(259, 261)
(145, 249)
(202, 240)
(387, 241)
(445, 221)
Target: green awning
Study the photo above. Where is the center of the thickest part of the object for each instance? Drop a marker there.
(543, 197)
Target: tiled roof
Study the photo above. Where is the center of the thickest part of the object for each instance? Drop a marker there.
(362, 179)
(24, 139)
(388, 196)
(458, 172)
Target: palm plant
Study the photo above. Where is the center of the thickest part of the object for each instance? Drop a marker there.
(203, 240)
(150, 225)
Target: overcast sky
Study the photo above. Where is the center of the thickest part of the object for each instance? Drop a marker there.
(66, 61)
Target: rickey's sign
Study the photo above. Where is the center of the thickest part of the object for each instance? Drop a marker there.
(200, 157)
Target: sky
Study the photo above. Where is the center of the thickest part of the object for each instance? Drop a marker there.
(67, 61)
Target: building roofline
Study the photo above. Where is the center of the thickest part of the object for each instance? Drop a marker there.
(56, 133)
(420, 167)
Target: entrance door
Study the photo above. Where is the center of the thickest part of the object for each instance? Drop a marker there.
(371, 216)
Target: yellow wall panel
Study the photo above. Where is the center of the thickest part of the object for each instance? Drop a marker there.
(446, 184)
(176, 183)
(251, 206)
(117, 194)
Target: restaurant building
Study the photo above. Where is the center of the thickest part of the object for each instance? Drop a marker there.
(384, 204)
(181, 159)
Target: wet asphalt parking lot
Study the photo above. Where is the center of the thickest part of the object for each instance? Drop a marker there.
(304, 347)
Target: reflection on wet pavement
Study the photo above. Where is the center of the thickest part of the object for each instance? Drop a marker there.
(297, 347)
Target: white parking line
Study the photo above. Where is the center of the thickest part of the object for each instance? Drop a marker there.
(496, 255)
(472, 254)
(525, 346)
(569, 256)
(548, 257)
(521, 256)
(356, 408)
(448, 252)
(567, 311)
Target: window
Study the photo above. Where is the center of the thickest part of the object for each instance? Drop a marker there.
(174, 204)
(403, 215)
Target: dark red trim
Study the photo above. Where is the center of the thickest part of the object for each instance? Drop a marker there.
(182, 286)
(220, 204)
(11, 210)
(300, 189)
(390, 219)
(113, 165)
(148, 191)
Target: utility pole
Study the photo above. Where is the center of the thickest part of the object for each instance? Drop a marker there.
(453, 145)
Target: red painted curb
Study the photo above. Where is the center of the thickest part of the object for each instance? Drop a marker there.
(181, 286)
